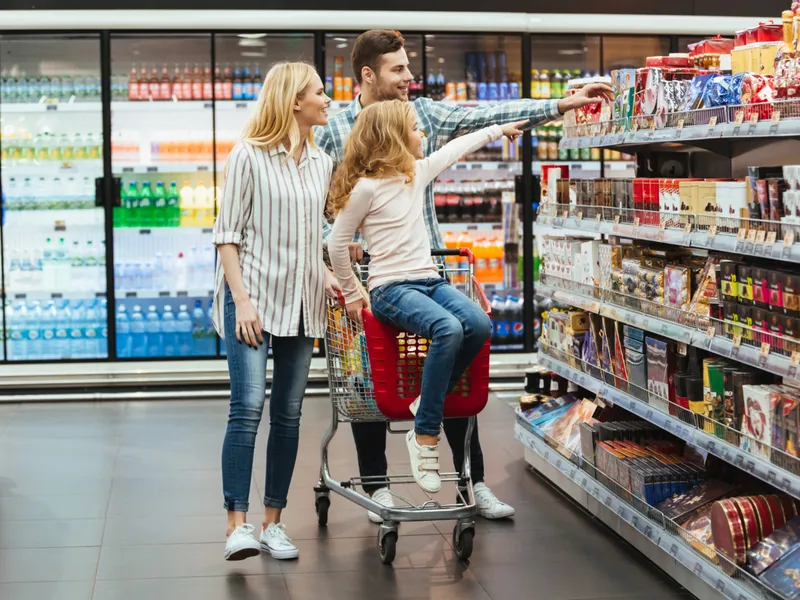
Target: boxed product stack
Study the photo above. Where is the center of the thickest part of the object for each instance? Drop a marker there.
(572, 259)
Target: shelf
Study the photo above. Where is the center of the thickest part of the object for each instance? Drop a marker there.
(722, 346)
(168, 168)
(162, 230)
(151, 294)
(42, 295)
(458, 227)
(40, 107)
(669, 551)
(476, 165)
(756, 466)
(722, 242)
(83, 168)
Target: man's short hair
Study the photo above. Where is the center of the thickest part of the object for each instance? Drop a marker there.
(371, 45)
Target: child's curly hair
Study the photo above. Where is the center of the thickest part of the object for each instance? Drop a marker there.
(376, 148)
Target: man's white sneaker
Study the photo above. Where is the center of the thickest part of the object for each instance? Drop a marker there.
(489, 507)
(381, 496)
(415, 406)
(424, 464)
(242, 543)
(276, 543)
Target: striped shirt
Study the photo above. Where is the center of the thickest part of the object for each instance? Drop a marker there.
(441, 122)
(272, 209)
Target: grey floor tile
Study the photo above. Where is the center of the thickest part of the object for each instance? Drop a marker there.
(177, 560)
(55, 533)
(30, 483)
(231, 587)
(164, 528)
(48, 564)
(382, 582)
(70, 506)
(71, 590)
(179, 502)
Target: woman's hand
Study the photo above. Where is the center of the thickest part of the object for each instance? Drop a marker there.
(354, 309)
(513, 130)
(248, 324)
(332, 287)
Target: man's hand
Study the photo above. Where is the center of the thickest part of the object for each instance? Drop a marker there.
(332, 287)
(356, 252)
(354, 309)
(593, 93)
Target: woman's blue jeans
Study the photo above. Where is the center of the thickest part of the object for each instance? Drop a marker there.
(455, 325)
(248, 374)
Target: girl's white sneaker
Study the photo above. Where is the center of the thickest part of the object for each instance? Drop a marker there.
(424, 464)
(277, 543)
(242, 543)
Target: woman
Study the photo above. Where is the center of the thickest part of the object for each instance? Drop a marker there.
(270, 283)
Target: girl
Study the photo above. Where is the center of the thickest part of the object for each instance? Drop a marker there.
(379, 188)
(270, 283)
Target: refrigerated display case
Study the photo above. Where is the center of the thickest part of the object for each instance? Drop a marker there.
(53, 231)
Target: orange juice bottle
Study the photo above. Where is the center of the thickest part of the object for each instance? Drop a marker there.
(495, 255)
(480, 249)
(464, 241)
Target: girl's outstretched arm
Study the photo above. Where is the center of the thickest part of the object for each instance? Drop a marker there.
(429, 168)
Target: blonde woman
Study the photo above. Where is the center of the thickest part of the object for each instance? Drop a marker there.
(379, 189)
(270, 286)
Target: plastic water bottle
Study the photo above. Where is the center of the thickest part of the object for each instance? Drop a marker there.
(169, 331)
(63, 270)
(181, 273)
(148, 276)
(198, 329)
(49, 323)
(77, 331)
(184, 330)
(102, 328)
(500, 321)
(514, 316)
(193, 267)
(138, 336)
(92, 331)
(209, 266)
(18, 335)
(33, 329)
(123, 332)
(61, 344)
(135, 276)
(160, 281)
(152, 330)
(11, 191)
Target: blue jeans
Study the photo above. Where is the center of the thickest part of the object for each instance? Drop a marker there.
(456, 327)
(248, 374)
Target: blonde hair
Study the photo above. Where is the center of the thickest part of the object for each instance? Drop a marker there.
(376, 147)
(273, 120)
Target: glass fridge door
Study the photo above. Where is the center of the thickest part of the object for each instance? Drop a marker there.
(475, 199)
(162, 150)
(53, 233)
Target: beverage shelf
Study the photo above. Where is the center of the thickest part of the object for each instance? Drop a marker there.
(658, 539)
(149, 294)
(723, 242)
(166, 231)
(475, 165)
(41, 107)
(80, 168)
(718, 344)
(458, 227)
(758, 467)
(47, 295)
(186, 167)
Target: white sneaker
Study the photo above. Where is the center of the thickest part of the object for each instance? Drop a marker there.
(489, 507)
(415, 406)
(276, 543)
(424, 464)
(381, 496)
(242, 543)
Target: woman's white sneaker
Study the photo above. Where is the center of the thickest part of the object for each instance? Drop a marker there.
(382, 496)
(276, 543)
(242, 543)
(424, 464)
(489, 506)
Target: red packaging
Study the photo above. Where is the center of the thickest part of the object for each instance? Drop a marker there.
(766, 523)
(751, 35)
(747, 512)
(740, 38)
(728, 531)
(674, 62)
(776, 510)
(769, 31)
(654, 206)
(638, 198)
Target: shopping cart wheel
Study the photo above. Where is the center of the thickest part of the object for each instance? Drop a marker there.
(323, 503)
(387, 543)
(462, 541)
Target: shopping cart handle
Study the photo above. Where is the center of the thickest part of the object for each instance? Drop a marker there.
(466, 252)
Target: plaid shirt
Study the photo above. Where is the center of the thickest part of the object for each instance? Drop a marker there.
(441, 122)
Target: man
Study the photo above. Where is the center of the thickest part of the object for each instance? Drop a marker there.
(380, 65)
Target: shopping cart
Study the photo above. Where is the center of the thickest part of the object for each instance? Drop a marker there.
(374, 374)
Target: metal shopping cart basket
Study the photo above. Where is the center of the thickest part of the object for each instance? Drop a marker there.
(374, 374)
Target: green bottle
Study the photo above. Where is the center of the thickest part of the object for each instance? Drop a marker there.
(173, 206)
(160, 206)
(145, 209)
(122, 213)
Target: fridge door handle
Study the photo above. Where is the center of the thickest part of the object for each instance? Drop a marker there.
(100, 194)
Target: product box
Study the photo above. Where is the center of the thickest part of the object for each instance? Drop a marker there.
(771, 549)
(660, 366)
(759, 403)
(791, 295)
(775, 280)
(760, 287)
(782, 576)
(730, 281)
(744, 288)
(636, 364)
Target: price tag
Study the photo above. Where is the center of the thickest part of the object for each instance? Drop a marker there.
(753, 120)
(739, 118)
(580, 216)
(680, 124)
(683, 349)
(737, 340)
(761, 236)
(742, 234)
(710, 332)
(764, 350)
(788, 239)
(687, 228)
(751, 235)
(636, 222)
(635, 127)
(712, 231)
(712, 122)
(565, 214)
(662, 225)
(616, 220)
(772, 237)
(776, 117)
(597, 219)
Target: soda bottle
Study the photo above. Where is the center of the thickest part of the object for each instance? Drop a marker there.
(173, 206)
(219, 93)
(544, 83)
(227, 83)
(464, 241)
(160, 215)
(154, 85)
(500, 322)
(441, 85)
(197, 83)
(238, 84)
(514, 317)
(186, 83)
(144, 211)
(208, 89)
(165, 86)
(133, 85)
(177, 83)
(258, 82)
(247, 84)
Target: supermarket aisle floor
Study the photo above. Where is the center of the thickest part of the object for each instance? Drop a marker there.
(122, 502)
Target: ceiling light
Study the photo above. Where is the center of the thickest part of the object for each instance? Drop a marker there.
(340, 39)
(255, 54)
(341, 45)
(252, 36)
(412, 55)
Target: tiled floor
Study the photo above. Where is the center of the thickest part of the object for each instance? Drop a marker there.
(123, 502)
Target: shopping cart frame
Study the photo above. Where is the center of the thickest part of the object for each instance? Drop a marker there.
(463, 511)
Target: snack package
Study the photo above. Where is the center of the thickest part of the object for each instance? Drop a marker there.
(677, 287)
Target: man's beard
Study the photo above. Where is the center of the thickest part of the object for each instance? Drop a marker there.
(390, 94)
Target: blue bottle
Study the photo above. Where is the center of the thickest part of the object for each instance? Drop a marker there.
(18, 334)
(198, 329)
(77, 331)
(152, 329)
(138, 336)
(49, 322)
(102, 327)
(514, 315)
(123, 332)
(35, 347)
(61, 347)
(91, 330)
(184, 330)
(169, 332)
